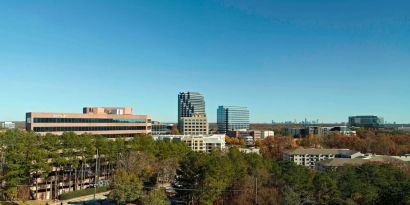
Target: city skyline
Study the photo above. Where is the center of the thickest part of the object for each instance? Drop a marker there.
(284, 61)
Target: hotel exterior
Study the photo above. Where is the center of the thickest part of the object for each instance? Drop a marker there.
(105, 121)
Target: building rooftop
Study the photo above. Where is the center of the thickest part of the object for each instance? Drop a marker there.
(338, 162)
(312, 151)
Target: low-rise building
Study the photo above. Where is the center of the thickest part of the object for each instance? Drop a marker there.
(256, 134)
(309, 157)
(366, 121)
(250, 150)
(261, 134)
(169, 138)
(267, 133)
(294, 132)
(161, 128)
(404, 129)
(318, 130)
(198, 143)
(238, 133)
(8, 125)
(105, 121)
(249, 141)
(333, 164)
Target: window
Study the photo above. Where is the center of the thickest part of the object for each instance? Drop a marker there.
(88, 120)
(103, 128)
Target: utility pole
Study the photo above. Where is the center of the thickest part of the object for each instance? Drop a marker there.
(256, 191)
(95, 174)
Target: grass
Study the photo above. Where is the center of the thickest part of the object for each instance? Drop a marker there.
(81, 193)
(30, 202)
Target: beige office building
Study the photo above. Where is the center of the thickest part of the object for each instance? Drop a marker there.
(106, 121)
(197, 124)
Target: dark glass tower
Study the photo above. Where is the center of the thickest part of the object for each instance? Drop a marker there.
(190, 103)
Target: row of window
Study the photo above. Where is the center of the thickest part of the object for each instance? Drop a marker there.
(187, 127)
(86, 120)
(68, 129)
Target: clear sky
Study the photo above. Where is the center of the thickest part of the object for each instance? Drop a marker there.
(285, 60)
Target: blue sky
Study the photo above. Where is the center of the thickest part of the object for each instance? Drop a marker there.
(285, 60)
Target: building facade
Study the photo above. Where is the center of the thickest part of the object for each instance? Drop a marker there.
(231, 118)
(334, 164)
(8, 125)
(190, 103)
(197, 124)
(238, 133)
(205, 143)
(158, 128)
(198, 143)
(261, 134)
(106, 121)
(366, 121)
(318, 131)
(192, 119)
(309, 157)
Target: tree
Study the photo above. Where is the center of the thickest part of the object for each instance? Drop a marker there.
(174, 130)
(155, 197)
(40, 166)
(125, 187)
(190, 176)
(217, 177)
(274, 146)
(16, 167)
(325, 188)
(295, 181)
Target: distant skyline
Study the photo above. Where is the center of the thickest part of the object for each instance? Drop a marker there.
(284, 60)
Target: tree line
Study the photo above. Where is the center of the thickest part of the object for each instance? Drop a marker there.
(366, 141)
(138, 169)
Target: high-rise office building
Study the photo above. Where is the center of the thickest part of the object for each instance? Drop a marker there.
(190, 103)
(192, 118)
(368, 121)
(230, 118)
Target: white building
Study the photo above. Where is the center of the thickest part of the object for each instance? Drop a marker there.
(248, 139)
(8, 125)
(267, 133)
(250, 150)
(309, 157)
(198, 143)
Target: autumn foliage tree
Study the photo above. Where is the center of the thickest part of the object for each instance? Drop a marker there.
(234, 141)
(274, 146)
(370, 141)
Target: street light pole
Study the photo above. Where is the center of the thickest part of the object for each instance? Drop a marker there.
(95, 174)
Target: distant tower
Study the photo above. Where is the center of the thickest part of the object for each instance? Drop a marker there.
(192, 118)
(230, 118)
(190, 103)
